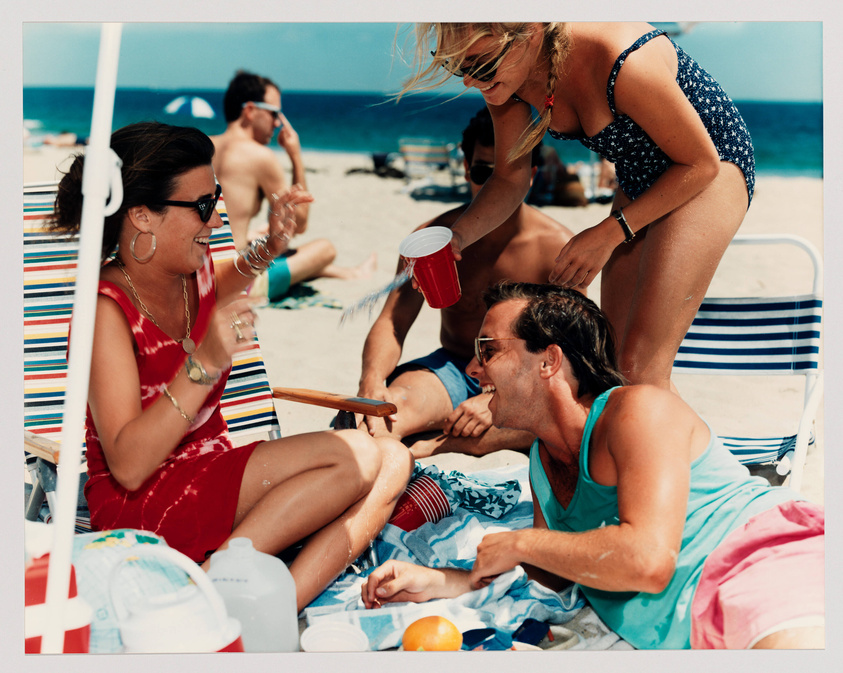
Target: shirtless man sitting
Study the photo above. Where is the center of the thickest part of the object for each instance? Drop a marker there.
(249, 171)
(434, 393)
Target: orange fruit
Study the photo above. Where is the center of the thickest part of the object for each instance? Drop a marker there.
(431, 633)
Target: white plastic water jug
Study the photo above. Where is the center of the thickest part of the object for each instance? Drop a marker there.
(259, 591)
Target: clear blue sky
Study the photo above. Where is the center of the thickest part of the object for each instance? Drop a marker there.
(752, 60)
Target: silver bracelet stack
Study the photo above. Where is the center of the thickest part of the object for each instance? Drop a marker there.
(257, 256)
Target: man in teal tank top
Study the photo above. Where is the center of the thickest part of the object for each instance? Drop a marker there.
(635, 499)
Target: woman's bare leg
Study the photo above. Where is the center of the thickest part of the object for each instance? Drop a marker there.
(294, 486)
(651, 290)
(329, 551)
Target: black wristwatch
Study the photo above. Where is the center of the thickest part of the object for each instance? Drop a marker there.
(627, 230)
(196, 372)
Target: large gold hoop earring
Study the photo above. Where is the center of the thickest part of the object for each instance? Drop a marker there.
(151, 252)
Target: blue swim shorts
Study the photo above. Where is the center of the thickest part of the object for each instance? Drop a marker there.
(449, 369)
(278, 274)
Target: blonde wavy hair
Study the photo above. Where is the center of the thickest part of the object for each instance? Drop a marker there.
(450, 42)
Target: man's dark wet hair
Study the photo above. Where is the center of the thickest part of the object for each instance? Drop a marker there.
(567, 318)
(244, 88)
(480, 131)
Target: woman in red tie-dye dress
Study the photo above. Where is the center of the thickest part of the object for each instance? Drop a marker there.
(168, 322)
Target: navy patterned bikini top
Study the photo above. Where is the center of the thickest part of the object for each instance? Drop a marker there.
(638, 160)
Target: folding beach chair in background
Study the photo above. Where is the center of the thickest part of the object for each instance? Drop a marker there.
(49, 279)
(424, 157)
(764, 336)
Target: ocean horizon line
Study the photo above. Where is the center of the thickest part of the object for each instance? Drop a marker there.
(343, 92)
(787, 136)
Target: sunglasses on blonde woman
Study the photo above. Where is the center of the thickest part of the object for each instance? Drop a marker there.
(484, 354)
(484, 71)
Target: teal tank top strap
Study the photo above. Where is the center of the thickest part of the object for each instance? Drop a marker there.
(552, 511)
(593, 414)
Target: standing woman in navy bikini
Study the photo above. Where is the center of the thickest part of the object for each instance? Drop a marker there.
(682, 153)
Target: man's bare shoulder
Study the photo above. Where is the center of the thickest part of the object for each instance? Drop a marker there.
(540, 224)
(229, 148)
(646, 407)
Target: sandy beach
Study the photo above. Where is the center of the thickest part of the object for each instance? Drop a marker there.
(361, 213)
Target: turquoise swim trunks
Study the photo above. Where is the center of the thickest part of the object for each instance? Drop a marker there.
(278, 274)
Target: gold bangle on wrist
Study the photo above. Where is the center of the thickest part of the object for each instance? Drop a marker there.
(178, 406)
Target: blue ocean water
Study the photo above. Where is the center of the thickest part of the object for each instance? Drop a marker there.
(788, 137)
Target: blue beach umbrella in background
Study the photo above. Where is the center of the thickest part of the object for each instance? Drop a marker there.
(191, 106)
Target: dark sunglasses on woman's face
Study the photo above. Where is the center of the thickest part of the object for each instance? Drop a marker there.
(205, 205)
(479, 173)
(482, 72)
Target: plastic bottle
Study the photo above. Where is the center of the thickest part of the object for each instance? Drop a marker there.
(259, 591)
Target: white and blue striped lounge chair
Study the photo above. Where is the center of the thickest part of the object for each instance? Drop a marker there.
(425, 156)
(769, 336)
(49, 279)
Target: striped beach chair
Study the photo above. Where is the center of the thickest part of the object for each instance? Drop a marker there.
(49, 280)
(764, 336)
(425, 156)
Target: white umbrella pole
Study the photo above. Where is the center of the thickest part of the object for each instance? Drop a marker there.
(95, 190)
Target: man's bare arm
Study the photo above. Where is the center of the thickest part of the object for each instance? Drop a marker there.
(385, 341)
(288, 139)
(649, 444)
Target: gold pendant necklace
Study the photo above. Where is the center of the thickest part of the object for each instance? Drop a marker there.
(187, 344)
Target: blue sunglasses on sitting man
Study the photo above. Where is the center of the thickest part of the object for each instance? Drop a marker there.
(274, 109)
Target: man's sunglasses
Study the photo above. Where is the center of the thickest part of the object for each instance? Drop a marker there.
(481, 353)
(205, 205)
(479, 173)
(482, 72)
(274, 109)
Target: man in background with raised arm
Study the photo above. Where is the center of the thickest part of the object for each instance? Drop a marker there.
(249, 172)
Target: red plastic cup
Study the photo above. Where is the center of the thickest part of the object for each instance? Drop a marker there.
(423, 501)
(434, 266)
